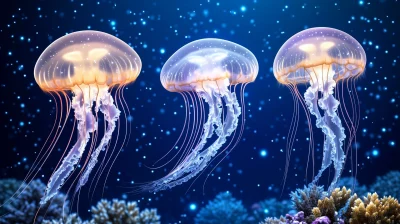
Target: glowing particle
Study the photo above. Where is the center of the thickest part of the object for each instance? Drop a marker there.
(263, 153)
(243, 8)
(193, 207)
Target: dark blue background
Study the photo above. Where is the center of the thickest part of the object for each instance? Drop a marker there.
(152, 27)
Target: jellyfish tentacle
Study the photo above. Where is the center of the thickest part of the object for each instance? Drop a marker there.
(311, 99)
(331, 126)
(329, 104)
(176, 176)
(199, 159)
(86, 125)
(111, 115)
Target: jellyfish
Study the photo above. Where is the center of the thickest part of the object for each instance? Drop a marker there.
(209, 70)
(329, 60)
(87, 64)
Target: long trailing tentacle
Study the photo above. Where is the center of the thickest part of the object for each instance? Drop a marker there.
(199, 158)
(86, 125)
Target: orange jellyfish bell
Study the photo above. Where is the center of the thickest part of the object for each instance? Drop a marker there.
(87, 63)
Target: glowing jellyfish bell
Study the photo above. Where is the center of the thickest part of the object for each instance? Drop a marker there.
(324, 57)
(208, 69)
(87, 63)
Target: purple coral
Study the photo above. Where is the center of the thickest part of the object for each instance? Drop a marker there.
(296, 219)
(322, 220)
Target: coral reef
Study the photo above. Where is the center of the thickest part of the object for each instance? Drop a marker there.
(387, 185)
(322, 220)
(115, 212)
(373, 210)
(281, 220)
(70, 219)
(121, 212)
(336, 202)
(271, 208)
(223, 209)
(306, 199)
(296, 219)
(25, 205)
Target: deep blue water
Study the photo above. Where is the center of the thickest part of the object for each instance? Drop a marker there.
(156, 29)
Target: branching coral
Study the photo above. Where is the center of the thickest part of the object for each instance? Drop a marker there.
(281, 220)
(271, 208)
(387, 185)
(223, 209)
(373, 210)
(70, 219)
(306, 199)
(339, 200)
(23, 208)
(115, 212)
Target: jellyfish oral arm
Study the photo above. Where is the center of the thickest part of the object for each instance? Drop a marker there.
(330, 105)
(86, 124)
(329, 123)
(199, 158)
(111, 115)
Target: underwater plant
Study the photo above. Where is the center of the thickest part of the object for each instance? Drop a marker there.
(24, 208)
(223, 209)
(387, 185)
(115, 212)
(205, 71)
(325, 58)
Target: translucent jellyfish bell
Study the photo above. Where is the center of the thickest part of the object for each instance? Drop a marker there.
(209, 70)
(208, 60)
(86, 57)
(315, 47)
(323, 57)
